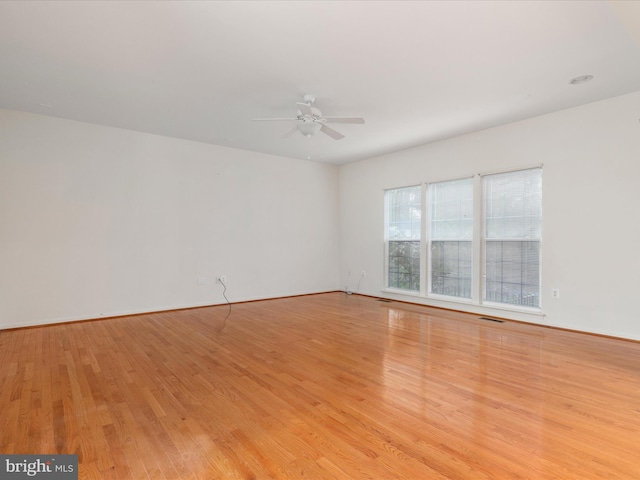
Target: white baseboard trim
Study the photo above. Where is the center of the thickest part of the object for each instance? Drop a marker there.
(150, 310)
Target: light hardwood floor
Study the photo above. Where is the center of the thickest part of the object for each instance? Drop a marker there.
(322, 386)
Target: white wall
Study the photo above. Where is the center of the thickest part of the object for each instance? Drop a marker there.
(591, 205)
(98, 221)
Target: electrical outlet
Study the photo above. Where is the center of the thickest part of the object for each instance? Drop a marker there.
(221, 279)
(364, 273)
(555, 293)
(202, 280)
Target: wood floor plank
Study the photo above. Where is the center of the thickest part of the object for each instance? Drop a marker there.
(318, 387)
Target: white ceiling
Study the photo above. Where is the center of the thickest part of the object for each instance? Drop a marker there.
(416, 71)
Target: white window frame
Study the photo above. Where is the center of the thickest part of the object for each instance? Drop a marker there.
(388, 240)
(430, 239)
(478, 275)
(483, 243)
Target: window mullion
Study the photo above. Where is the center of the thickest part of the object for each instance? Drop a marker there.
(477, 280)
(424, 242)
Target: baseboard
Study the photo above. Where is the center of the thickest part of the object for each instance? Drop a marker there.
(127, 313)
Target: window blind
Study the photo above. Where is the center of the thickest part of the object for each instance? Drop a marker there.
(512, 237)
(404, 213)
(450, 237)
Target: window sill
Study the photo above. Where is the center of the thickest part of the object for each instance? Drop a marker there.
(454, 303)
(407, 293)
(513, 308)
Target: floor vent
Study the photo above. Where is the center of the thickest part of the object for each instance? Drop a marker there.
(491, 319)
(384, 300)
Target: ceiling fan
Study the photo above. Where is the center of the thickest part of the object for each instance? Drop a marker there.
(310, 120)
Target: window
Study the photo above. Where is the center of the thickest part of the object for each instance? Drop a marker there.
(403, 226)
(450, 237)
(441, 255)
(512, 234)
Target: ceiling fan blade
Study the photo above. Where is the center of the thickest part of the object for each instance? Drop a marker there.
(344, 119)
(290, 132)
(273, 119)
(331, 132)
(305, 108)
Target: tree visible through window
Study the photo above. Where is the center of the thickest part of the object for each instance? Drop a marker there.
(404, 213)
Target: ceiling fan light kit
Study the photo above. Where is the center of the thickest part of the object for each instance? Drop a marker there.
(308, 128)
(310, 120)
